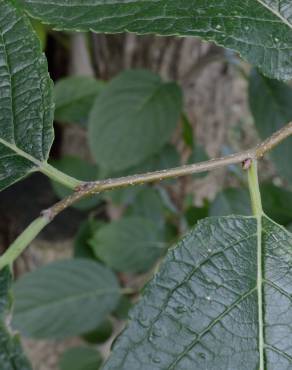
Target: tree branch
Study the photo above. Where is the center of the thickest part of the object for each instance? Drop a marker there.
(86, 189)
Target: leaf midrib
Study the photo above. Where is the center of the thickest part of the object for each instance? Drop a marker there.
(284, 20)
(21, 153)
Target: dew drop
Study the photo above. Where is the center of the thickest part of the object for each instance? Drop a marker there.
(208, 298)
(276, 39)
(144, 321)
(218, 27)
(246, 28)
(202, 355)
(181, 309)
(156, 360)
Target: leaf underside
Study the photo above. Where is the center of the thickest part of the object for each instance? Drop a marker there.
(201, 311)
(11, 355)
(26, 106)
(259, 30)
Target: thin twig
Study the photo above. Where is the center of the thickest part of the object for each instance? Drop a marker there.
(95, 187)
(89, 188)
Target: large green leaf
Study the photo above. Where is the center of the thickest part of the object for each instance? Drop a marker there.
(255, 28)
(26, 106)
(11, 355)
(131, 244)
(132, 118)
(271, 106)
(222, 300)
(64, 298)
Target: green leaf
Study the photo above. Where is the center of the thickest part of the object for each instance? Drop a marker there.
(132, 244)
(80, 169)
(80, 358)
(132, 118)
(101, 334)
(74, 97)
(222, 300)
(26, 106)
(11, 355)
(64, 298)
(256, 29)
(270, 103)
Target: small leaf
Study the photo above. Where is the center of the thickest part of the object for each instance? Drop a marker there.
(81, 170)
(231, 201)
(82, 248)
(187, 131)
(101, 334)
(41, 31)
(260, 30)
(64, 298)
(74, 97)
(221, 300)
(80, 358)
(26, 105)
(131, 244)
(270, 103)
(132, 118)
(148, 204)
(194, 214)
(123, 308)
(11, 354)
